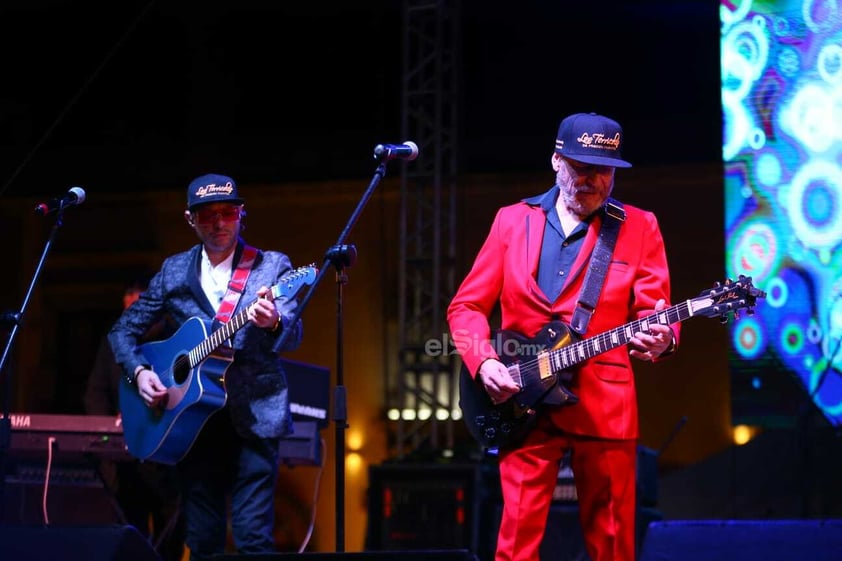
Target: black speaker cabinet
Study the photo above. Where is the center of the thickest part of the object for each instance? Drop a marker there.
(420, 506)
(74, 543)
(74, 504)
(740, 540)
(412, 506)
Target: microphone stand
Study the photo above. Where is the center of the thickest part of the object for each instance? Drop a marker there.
(341, 255)
(14, 320)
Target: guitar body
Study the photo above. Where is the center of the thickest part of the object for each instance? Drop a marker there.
(506, 424)
(193, 395)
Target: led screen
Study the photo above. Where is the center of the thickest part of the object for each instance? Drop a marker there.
(781, 65)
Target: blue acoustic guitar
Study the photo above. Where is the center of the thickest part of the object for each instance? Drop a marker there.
(192, 365)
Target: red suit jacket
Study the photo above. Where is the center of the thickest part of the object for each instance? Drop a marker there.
(505, 270)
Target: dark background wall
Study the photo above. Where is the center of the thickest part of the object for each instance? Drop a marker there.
(137, 95)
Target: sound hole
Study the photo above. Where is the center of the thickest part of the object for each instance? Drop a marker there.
(181, 369)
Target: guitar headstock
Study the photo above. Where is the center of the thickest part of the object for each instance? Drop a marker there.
(292, 282)
(306, 274)
(728, 298)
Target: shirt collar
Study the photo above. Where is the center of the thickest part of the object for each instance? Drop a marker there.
(545, 200)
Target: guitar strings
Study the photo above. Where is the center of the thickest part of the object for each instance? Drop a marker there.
(586, 348)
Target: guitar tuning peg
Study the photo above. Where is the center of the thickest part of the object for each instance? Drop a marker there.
(723, 319)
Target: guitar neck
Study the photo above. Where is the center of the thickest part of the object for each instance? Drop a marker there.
(573, 354)
(240, 319)
(289, 286)
(227, 330)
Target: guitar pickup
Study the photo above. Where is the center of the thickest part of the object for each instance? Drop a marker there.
(544, 369)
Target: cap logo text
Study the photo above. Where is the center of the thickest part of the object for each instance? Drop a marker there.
(214, 189)
(599, 140)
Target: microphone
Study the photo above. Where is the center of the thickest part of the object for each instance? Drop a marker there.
(75, 196)
(406, 151)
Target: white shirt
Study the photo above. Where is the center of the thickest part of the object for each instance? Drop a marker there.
(215, 279)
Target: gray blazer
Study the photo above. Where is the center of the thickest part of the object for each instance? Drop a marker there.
(258, 395)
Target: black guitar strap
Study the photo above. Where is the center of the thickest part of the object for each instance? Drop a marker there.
(613, 217)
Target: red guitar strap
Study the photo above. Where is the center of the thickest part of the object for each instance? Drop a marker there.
(237, 283)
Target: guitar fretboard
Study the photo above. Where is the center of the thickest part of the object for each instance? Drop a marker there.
(580, 351)
(201, 351)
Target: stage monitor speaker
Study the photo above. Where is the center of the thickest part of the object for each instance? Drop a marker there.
(738, 540)
(74, 543)
(403, 555)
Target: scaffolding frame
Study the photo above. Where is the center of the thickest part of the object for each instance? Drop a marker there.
(425, 394)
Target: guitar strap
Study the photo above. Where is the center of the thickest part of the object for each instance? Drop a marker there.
(613, 217)
(237, 284)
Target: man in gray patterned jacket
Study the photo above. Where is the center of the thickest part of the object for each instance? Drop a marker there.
(235, 454)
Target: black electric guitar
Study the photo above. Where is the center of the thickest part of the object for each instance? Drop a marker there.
(192, 366)
(541, 365)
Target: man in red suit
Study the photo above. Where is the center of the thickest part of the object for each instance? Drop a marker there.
(533, 264)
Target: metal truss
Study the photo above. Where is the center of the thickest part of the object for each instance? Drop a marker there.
(422, 395)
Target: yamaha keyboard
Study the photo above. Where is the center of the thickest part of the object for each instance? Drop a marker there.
(80, 438)
(67, 445)
(67, 436)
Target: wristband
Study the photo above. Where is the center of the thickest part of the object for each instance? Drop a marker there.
(138, 369)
